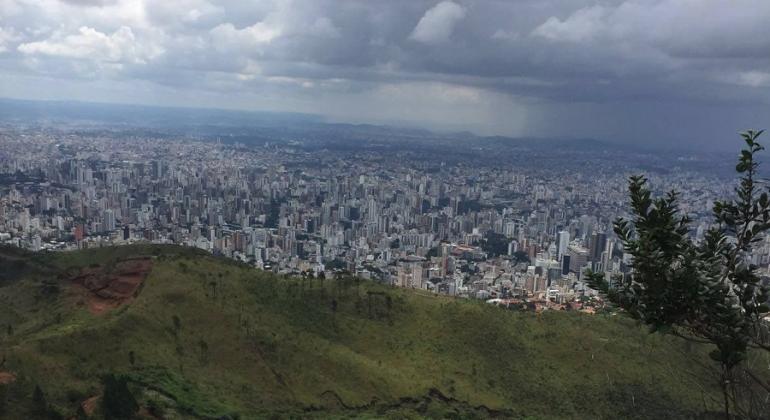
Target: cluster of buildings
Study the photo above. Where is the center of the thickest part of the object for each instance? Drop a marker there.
(513, 234)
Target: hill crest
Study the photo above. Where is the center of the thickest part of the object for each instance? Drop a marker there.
(204, 337)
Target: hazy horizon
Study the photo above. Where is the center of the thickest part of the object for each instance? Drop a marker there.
(617, 70)
(181, 119)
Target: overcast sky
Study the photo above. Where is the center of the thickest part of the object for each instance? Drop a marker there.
(693, 71)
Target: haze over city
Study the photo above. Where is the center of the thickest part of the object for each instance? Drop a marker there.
(635, 71)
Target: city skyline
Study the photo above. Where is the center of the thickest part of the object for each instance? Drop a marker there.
(509, 220)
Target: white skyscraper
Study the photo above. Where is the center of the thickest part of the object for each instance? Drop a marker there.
(563, 240)
(109, 220)
(607, 255)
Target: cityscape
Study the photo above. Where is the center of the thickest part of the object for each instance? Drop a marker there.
(513, 225)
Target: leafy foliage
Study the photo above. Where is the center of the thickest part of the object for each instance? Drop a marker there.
(38, 400)
(118, 401)
(494, 244)
(707, 290)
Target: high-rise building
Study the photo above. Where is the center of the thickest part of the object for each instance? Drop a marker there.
(596, 246)
(578, 258)
(109, 220)
(565, 264)
(563, 243)
(607, 254)
(513, 246)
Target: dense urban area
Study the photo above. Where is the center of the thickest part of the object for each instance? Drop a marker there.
(511, 221)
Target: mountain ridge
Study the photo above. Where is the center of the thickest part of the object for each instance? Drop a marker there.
(205, 337)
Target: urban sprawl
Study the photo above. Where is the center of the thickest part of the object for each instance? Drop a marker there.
(517, 232)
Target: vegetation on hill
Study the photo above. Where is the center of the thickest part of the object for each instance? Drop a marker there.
(205, 337)
(707, 290)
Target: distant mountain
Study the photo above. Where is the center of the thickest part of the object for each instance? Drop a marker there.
(170, 332)
(141, 115)
(246, 126)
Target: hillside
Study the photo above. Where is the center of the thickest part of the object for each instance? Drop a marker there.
(197, 336)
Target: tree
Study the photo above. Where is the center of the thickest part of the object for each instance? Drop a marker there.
(39, 403)
(521, 256)
(118, 402)
(81, 414)
(177, 324)
(707, 291)
(38, 397)
(203, 347)
(49, 288)
(3, 399)
(334, 312)
(213, 286)
(494, 244)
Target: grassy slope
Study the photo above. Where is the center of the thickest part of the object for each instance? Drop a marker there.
(276, 347)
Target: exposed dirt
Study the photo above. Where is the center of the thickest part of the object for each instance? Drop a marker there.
(7, 378)
(89, 405)
(107, 288)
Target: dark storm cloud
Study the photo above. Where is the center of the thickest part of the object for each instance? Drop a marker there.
(496, 66)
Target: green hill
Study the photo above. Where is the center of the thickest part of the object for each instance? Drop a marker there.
(197, 336)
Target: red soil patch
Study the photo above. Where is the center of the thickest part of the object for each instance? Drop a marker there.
(108, 288)
(7, 378)
(89, 405)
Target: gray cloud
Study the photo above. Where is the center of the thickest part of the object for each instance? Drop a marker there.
(524, 67)
(88, 2)
(437, 24)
